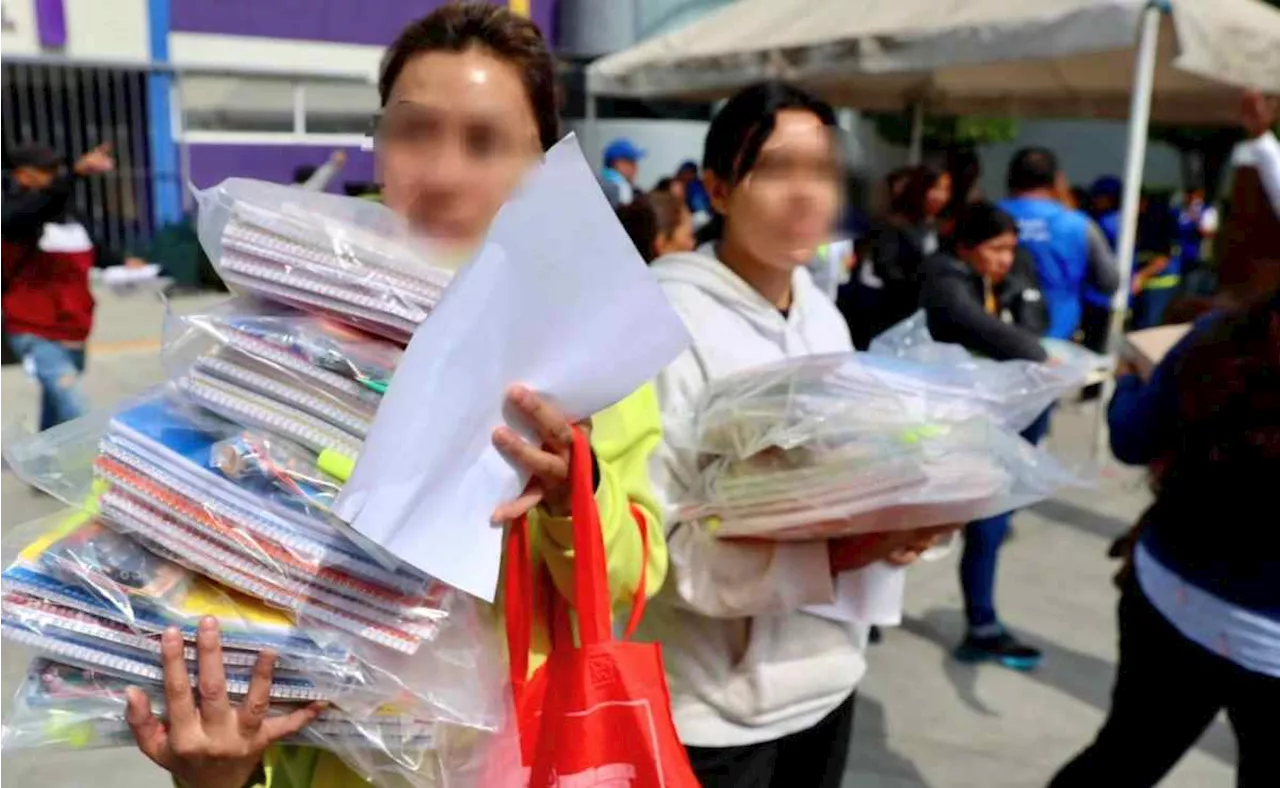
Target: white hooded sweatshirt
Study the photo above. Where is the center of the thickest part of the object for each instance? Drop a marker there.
(744, 663)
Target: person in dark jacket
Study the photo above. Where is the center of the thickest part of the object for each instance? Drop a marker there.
(984, 294)
(885, 289)
(1199, 614)
(985, 297)
(47, 254)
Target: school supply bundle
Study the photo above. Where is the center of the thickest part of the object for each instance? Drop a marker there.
(212, 496)
(826, 446)
(353, 260)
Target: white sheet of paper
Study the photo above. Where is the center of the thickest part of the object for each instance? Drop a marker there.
(558, 300)
(871, 595)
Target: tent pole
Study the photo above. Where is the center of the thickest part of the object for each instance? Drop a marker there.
(916, 152)
(590, 113)
(1144, 68)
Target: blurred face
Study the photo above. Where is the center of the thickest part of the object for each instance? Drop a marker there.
(33, 178)
(938, 196)
(679, 239)
(992, 258)
(453, 141)
(783, 209)
(677, 190)
(626, 168)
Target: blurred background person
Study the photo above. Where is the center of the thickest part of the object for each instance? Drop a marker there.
(1066, 254)
(984, 296)
(621, 165)
(47, 255)
(695, 193)
(658, 223)
(1156, 271)
(317, 179)
(965, 168)
(672, 185)
(886, 287)
(1199, 614)
(1104, 209)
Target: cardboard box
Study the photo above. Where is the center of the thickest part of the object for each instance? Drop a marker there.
(1145, 348)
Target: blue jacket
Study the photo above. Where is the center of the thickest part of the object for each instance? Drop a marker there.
(1057, 239)
(1145, 421)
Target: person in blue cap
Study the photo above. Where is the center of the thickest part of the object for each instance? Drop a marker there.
(618, 178)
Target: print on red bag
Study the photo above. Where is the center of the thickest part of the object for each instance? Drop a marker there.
(602, 670)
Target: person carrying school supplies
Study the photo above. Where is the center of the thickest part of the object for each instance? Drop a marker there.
(468, 104)
(762, 692)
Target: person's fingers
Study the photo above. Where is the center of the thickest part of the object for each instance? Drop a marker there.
(550, 424)
(147, 730)
(539, 463)
(104, 148)
(277, 728)
(178, 700)
(531, 497)
(215, 706)
(902, 556)
(257, 701)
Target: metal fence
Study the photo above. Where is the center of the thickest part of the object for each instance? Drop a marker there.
(72, 108)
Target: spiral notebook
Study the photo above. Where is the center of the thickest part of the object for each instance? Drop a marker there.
(148, 593)
(78, 696)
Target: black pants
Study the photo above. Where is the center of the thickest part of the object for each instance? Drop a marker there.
(1168, 689)
(812, 758)
(1095, 325)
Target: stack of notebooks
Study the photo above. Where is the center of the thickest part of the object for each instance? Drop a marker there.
(211, 496)
(278, 250)
(828, 446)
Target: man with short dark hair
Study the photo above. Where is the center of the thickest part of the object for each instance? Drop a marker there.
(47, 254)
(1069, 253)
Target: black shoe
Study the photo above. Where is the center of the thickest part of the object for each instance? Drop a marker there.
(1003, 649)
(874, 635)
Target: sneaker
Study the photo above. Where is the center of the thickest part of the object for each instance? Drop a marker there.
(1003, 648)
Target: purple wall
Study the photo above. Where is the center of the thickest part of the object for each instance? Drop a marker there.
(210, 164)
(347, 21)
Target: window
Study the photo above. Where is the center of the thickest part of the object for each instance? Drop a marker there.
(269, 105)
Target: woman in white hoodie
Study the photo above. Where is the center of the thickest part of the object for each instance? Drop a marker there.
(762, 691)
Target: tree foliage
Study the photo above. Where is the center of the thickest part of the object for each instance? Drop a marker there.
(946, 132)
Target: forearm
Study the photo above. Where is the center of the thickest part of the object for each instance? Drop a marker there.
(732, 579)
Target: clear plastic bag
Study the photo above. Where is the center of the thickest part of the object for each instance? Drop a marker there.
(94, 600)
(315, 364)
(1015, 393)
(72, 708)
(350, 259)
(826, 446)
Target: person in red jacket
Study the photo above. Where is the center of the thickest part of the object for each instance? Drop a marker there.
(47, 254)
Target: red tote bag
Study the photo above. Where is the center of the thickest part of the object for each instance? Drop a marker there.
(598, 713)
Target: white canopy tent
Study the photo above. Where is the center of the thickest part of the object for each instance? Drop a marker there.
(1171, 60)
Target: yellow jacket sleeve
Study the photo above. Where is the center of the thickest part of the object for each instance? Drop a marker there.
(623, 439)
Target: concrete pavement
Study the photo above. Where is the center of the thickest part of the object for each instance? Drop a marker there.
(923, 721)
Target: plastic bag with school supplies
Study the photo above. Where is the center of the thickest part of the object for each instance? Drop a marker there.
(825, 446)
(329, 370)
(70, 708)
(350, 259)
(94, 600)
